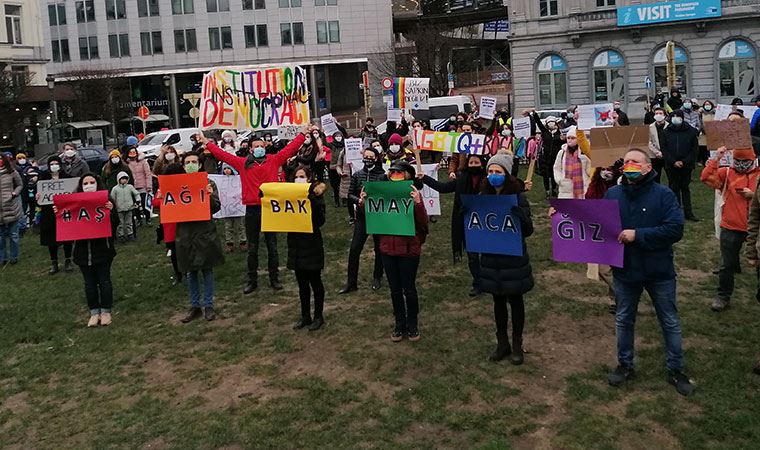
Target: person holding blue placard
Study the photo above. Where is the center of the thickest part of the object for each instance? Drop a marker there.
(507, 277)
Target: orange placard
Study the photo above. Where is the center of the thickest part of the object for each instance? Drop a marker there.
(185, 198)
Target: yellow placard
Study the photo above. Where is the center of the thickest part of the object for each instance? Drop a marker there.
(286, 208)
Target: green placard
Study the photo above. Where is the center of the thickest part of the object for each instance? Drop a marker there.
(389, 208)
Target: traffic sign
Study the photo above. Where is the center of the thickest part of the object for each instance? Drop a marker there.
(143, 112)
(648, 82)
(194, 112)
(387, 83)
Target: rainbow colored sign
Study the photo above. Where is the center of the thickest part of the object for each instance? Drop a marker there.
(410, 93)
(254, 98)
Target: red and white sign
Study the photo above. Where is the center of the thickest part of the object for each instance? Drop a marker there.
(387, 83)
(143, 112)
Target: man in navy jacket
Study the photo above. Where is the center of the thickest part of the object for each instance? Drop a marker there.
(652, 222)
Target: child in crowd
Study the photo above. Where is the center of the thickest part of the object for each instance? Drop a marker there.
(126, 199)
(234, 227)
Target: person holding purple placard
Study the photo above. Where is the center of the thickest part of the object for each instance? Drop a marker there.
(652, 221)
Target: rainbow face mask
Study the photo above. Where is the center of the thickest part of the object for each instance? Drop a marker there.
(632, 170)
(396, 176)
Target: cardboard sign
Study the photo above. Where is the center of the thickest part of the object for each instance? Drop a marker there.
(185, 197)
(726, 161)
(610, 144)
(489, 226)
(286, 208)
(328, 125)
(487, 108)
(586, 231)
(354, 155)
(521, 127)
(230, 195)
(82, 216)
(430, 197)
(410, 93)
(732, 134)
(389, 208)
(393, 114)
(722, 111)
(50, 188)
(594, 116)
(288, 132)
(149, 203)
(452, 142)
(254, 98)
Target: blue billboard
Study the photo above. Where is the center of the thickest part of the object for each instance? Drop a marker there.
(651, 13)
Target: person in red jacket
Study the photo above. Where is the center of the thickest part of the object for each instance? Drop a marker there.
(401, 259)
(255, 169)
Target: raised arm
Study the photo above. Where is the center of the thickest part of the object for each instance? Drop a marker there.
(237, 162)
(446, 187)
(290, 150)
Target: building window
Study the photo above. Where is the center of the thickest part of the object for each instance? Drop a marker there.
(61, 50)
(325, 2)
(220, 38)
(334, 29)
(13, 24)
(150, 42)
(660, 63)
(736, 66)
(20, 75)
(262, 37)
(147, 8)
(290, 3)
(321, 32)
(57, 14)
(552, 81)
(185, 41)
(183, 7)
(291, 34)
(217, 5)
(609, 77)
(547, 8)
(255, 36)
(85, 11)
(118, 45)
(116, 9)
(88, 48)
(603, 3)
(251, 4)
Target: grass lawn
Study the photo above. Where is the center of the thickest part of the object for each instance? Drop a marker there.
(247, 380)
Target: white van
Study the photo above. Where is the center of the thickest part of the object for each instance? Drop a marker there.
(441, 108)
(178, 138)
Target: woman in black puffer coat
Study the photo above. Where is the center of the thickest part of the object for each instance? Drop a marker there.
(507, 277)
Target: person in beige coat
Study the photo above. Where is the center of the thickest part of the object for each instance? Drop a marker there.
(571, 151)
(655, 133)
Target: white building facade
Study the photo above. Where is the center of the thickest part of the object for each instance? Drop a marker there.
(21, 40)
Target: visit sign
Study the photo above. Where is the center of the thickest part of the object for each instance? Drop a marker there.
(650, 13)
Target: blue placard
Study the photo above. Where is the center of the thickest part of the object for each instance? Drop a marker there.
(650, 13)
(497, 26)
(489, 226)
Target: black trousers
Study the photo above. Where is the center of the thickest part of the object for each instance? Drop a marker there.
(549, 184)
(335, 185)
(97, 286)
(308, 281)
(355, 252)
(402, 279)
(501, 315)
(173, 257)
(657, 166)
(53, 250)
(679, 180)
(252, 232)
(473, 263)
(730, 250)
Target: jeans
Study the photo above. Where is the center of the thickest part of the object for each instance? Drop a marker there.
(501, 316)
(402, 280)
(10, 232)
(730, 247)
(473, 263)
(193, 284)
(355, 251)
(252, 231)
(308, 281)
(97, 287)
(663, 294)
(679, 180)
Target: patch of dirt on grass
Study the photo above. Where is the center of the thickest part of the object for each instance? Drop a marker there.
(17, 404)
(158, 443)
(235, 385)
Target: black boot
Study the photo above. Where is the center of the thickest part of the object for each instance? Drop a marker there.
(67, 266)
(274, 281)
(53, 267)
(347, 289)
(251, 286)
(316, 324)
(303, 323)
(502, 348)
(177, 279)
(517, 357)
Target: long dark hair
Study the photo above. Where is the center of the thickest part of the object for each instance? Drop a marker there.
(98, 182)
(512, 185)
(306, 169)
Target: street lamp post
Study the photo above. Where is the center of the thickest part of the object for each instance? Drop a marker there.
(169, 98)
(53, 106)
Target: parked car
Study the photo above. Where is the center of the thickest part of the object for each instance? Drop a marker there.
(178, 138)
(95, 157)
(440, 109)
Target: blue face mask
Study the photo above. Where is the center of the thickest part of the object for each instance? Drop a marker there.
(259, 152)
(497, 179)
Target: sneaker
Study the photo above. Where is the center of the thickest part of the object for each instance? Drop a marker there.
(376, 283)
(209, 313)
(413, 334)
(681, 382)
(348, 289)
(93, 322)
(720, 304)
(397, 335)
(620, 375)
(105, 319)
(193, 314)
(229, 247)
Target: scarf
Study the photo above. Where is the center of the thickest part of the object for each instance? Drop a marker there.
(574, 172)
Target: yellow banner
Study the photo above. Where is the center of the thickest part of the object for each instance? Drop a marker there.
(285, 208)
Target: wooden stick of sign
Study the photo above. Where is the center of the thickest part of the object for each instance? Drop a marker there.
(531, 169)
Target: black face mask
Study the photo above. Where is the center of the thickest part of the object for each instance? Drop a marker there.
(369, 164)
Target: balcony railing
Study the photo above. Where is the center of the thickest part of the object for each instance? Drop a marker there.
(597, 15)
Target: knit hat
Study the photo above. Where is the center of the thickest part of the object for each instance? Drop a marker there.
(571, 131)
(132, 141)
(32, 172)
(227, 166)
(403, 166)
(502, 160)
(113, 153)
(551, 119)
(121, 175)
(20, 156)
(228, 134)
(737, 101)
(744, 153)
(395, 139)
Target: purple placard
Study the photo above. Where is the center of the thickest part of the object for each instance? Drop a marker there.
(586, 231)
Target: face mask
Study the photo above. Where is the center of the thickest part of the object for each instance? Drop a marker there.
(497, 179)
(191, 167)
(228, 140)
(133, 155)
(259, 152)
(394, 148)
(707, 107)
(92, 187)
(55, 168)
(244, 148)
(21, 162)
(70, 153)
(506, 133)
(452, 119)
(659, 117)
(687, 105)
(115, 160)
(743, 165)
(379, 148)
(632, 170)
(170, 156)
(552, 125)
(676, 121)
(369, 163)
(396, 176)
(315, 135)
(268, 139)
(606, 175)
(300, 180)
(475, 170)
(338, 138)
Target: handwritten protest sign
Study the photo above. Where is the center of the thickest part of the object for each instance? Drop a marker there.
(727, 160)
(354, 153)
(254, 98)
(452, 142)
(521, 127)
(149, 203)
(389, 208)
(489, 226)
(586, 231)
(230, 195)
(610, 144)
(329, 127)
(722, 111)
(410, 93)
(731, 134)
(285, 208)
(82, 216)
(288, 132)
(591, 116)
(47, 189)
(393, 114)
(185, 197)
(487, 108)
(430, 197)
